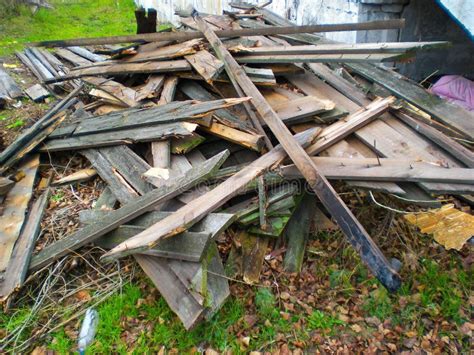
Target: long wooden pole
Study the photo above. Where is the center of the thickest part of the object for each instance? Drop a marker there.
(184, 36)
(354, 231)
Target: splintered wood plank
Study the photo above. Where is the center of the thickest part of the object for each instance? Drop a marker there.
(451, 115)
(351, 227)
(85, 53)
(195, 210)
(169, 89)
(15, 205)
(125, 68)
(301, 108)
(253, 141)
(129, 136)
(72, 57)
(18, 266)
(151, 88)
(124, 94)
(208, 66)
(166, 52)
(128, 212)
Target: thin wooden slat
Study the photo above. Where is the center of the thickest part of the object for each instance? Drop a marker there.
(208, 66)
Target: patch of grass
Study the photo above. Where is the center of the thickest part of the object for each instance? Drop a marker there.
(57, 196)
(320, 320)
(68, 19)
(440, 291)
(16, 124)
(265, 302)
(61, 343)
(379, 304)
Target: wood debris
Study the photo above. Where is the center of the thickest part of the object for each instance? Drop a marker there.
(194, 149)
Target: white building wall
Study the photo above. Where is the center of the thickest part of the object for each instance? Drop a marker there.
(302, 12)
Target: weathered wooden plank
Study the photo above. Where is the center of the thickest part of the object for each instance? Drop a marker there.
(350, 124)
(348, 223)
(184, 145)
(122, 169)
(302, 108)
(208, 66)
(15, 205)
(9, 90)
(111, 138)
(450, 145)
(71, 57)
(5, 185)
(297, 232)
(124, 94)
(151, 88)
(322, 58)
(182, 36)
(128, 212)
(187, 246)
(189, 214)
(340, 48)
(253, 254)
(179, 298)
(169, 89)
(248, 140)
(83, 52)
(173, 112)
(37, 93)
(15, 272)
(196, 92)
(126, 68)
(441, 110)
(384, 169)
(167, 52)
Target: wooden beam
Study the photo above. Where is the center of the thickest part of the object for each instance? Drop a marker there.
(125, 68)
(128, 212)
(348, 223)
(183, 36)
(253, 141)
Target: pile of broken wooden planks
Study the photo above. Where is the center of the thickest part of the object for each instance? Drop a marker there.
(222, 124)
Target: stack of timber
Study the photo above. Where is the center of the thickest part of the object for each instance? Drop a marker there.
(206, 137)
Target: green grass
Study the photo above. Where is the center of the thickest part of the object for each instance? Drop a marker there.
(68, 19)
